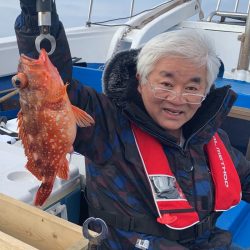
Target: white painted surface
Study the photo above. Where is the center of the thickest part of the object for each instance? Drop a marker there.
(17, 182)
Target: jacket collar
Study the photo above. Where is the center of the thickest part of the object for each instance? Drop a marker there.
(120, 85)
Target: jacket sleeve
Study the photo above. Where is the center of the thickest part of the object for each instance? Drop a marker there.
(93, 141)
(26, 29)
(88, 140)
(242, 165)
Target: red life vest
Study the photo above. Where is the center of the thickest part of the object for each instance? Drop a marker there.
(173, 208)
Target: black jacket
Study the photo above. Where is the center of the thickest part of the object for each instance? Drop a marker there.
(116, 181)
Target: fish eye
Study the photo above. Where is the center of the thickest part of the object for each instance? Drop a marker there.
(17, 83)
(20, 80)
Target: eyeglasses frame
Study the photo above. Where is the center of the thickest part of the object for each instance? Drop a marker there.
(154, 88)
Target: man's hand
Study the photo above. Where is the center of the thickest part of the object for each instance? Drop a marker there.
(27, 30)
(29, 6)
(29, 19)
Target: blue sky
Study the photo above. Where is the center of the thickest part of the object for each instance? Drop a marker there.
(74, 13)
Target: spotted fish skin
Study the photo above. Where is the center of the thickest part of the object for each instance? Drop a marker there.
(47, 121)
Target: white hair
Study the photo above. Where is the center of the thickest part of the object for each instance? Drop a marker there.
(190, 44)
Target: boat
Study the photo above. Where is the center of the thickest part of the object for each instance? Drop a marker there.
(230, 30)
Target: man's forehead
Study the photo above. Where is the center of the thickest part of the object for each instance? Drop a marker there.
(170, 74)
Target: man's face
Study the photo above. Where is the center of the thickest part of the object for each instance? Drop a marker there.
(179, 75)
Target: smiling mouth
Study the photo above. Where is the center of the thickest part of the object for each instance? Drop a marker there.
(173, 112)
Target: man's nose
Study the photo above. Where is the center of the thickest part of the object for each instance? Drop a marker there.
(176, 98)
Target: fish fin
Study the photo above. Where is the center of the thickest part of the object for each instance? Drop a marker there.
(22, 134)
(71, 151)
(31, 166)
(82, 118)
(44, 191)
(20, 125)
(63, 170)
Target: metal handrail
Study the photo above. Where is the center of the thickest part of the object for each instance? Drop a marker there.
(234, 14)
(132, 8)
(244, 56)
(91, 2)
(88, 23)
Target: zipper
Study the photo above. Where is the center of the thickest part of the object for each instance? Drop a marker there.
(194, 190)
(212, 187)
(193, 194)
(201, 128)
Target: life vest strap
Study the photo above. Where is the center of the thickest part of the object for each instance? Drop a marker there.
(148, 225)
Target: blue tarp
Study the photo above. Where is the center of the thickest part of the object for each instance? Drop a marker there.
(237, 221)
(241, 88)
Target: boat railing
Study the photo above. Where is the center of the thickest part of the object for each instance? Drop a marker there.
(235, 13)
(88, 23)
(243, 17)
(131, 11)
(90, 12)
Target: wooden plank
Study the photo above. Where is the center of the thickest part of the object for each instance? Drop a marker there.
(38, 228)
(79, 245)
(60, 195)
(240, 113)
(8, 242)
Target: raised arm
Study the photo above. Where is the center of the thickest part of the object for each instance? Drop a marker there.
(27, 30)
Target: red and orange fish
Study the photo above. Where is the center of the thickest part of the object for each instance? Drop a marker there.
(47, 121)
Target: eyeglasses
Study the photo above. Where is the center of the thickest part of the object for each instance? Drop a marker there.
(169, 95)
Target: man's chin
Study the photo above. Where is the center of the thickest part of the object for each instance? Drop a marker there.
(173, 129)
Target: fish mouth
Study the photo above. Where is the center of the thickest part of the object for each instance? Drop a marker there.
(26, 60)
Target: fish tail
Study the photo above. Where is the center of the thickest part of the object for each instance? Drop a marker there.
(43, 193)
